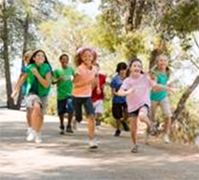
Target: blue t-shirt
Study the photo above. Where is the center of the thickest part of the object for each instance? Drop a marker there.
(24, 86)
(116, 83)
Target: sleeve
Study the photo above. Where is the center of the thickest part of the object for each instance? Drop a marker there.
(73, 71)
(55, 73)
(78, 71)
(125, 85)
(29, 68)
(112, 84)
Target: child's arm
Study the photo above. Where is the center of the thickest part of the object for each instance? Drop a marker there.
(17, 87)
(78, 83)
(123, 92)
(45, 82)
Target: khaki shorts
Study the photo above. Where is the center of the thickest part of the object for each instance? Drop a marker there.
(165, 106)
(31, 99)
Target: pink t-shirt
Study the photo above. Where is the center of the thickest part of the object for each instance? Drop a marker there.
(141, 93)
(84, 75)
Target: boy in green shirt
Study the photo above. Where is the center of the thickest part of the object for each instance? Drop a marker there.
(63, 78)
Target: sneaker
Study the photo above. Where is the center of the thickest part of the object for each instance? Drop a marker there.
(134, 149)
(38, 138)
(154, 129)
(61, 127)
(93, 144)
(98, 122)
(147, 138)
(31, 136)
(29, 130)
(125, 126)
(166, 139)
(69, 129)
(117, 133)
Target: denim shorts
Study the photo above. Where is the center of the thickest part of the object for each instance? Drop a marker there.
(136, 112)
(65, 106)
(78, 102)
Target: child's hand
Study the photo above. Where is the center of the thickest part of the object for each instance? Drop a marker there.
(14, 94)
(98, 90)
(34, 71)
(173, 90)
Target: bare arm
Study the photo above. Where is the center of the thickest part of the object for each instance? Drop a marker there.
(45, 82)
(20, 82)
(123, 92)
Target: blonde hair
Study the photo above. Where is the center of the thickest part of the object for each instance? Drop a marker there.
(162, 56)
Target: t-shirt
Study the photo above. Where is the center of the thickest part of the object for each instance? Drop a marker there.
(116, 83)
(24, 86)
(34, 86)
(84, 74)
(141, 95)
(102, 81)
(160, 95)
(64, 87)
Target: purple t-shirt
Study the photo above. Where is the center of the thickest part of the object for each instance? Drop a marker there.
(141, 93)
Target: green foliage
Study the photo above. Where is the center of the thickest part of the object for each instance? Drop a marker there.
(131, 45)
(182, 19)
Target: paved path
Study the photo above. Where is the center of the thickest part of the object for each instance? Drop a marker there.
(68, 158)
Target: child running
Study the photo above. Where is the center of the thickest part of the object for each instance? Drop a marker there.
(137, 88)
(83, 82)
(26, 60)
(160, 98)
(63, 78)
(38, 75)
(98, 96)
(119, 106)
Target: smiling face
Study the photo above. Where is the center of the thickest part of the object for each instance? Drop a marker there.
(136, 68)
(162, 63)
(87, 58)
(64, 61)
(39, 58)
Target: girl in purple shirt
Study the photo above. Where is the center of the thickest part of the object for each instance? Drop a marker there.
(136, 87)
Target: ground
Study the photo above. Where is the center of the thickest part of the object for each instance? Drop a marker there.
(67, 156)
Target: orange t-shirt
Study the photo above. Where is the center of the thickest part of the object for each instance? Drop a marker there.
(84, 74)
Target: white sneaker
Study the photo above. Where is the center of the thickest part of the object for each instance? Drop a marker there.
(31, 136)
(29, 130)
(38, 138)
(93, 144)
(166, 139)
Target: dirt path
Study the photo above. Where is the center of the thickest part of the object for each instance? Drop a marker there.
(67, 157)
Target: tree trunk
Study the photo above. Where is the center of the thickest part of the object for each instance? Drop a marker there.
(25, 43)
(10, 101)
(184, 97)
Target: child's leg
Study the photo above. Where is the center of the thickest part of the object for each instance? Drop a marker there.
(133, 124)
(88, 105)
(37, 117)
(165, 105)
(143, 116)
(91, 127)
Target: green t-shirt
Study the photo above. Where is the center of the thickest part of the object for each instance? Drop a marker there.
(64, 87)
(160, 95)
(33, 85)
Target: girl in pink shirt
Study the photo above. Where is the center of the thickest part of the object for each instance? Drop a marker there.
(137, 88)
(84, 80)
